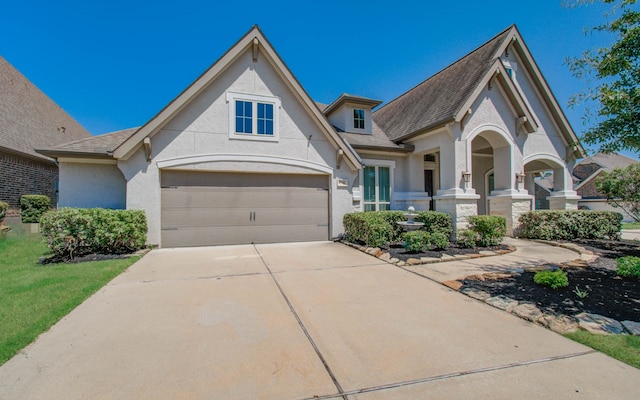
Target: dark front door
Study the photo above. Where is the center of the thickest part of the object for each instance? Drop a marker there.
(428, 185)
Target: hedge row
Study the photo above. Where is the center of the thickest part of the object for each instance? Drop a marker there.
(570, 224)
(375, 228)
(33, 206)
(73, 232)
(3, 210)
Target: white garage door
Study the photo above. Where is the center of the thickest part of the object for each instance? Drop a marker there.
(203, 208)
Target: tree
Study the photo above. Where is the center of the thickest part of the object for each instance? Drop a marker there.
(612, 75)
(622, 188)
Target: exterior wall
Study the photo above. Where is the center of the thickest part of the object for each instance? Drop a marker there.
(342, 118)
(75, 178)
(588, 190)
(21, 175)
(602, 205)
(198, 138)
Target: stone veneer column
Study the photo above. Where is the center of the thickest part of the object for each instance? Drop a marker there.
(564, 200)
(460, 207)
(511, 207)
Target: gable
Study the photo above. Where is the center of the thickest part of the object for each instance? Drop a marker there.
(252, 57)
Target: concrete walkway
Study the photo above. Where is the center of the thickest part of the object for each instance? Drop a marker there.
(302, 321)
(631, 234)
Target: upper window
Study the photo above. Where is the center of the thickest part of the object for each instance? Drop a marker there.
(253, 116)
(358, 118)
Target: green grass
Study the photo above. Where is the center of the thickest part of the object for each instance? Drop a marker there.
(631, 225)
(625, 348)
(34, 297)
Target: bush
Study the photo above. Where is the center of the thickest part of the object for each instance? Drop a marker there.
(33, 206)
(629, 267)
(554, 279)
(570, 224)
(491, 229)
(73, 232)
(3, 210)
(467, 238)
(435, 221)
(421, 241)
(370, 228)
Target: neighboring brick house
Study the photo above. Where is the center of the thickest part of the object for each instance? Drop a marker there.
(29, 120)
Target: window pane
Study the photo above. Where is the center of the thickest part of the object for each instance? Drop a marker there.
(369, 184)
(265, 119)
(269, 128)
(369, 207)
(269, 110)
(248, 109)
(385, 206)
(260, 110)
(383, 181)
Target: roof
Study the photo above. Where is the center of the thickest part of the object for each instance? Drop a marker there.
(96, 146)
(29, 119)
(350, 98)
(608, 161)
(438, 99)
(545, 183)
(376, 140)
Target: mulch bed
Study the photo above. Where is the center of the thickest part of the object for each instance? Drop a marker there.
(609, 295)
(396, 250)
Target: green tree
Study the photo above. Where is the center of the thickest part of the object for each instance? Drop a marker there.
(622, 188)
(612, 76)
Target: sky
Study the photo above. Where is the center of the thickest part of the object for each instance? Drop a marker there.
(114, 64)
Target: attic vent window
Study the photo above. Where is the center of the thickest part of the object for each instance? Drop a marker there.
(511, 68)
(358, 118)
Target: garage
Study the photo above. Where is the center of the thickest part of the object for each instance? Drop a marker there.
(207, 208)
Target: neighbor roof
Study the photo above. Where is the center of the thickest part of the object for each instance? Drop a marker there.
(438, 99)
(608, 161)
(96, 146)
(29, 119)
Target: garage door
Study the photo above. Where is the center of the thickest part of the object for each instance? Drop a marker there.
(202, 208)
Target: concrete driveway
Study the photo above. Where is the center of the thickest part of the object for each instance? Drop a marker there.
(299, 321)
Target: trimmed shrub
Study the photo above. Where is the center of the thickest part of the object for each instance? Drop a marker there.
(370, 228)
(467, 238)
(491, 229)
(629, 267)
(3, 210)
(73, 232)
(435, 221)
(421, 241)
(554, 279)
(570, 224)
(33, 206)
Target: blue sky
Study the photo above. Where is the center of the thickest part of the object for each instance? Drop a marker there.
(113, 65)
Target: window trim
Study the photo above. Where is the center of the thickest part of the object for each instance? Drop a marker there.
(254, 99)
(378, 163)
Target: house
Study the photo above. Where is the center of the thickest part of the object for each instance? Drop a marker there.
(586, 172)
(29, 120)
(244, 155)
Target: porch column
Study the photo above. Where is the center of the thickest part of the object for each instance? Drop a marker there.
(513, 201)
(415, 195)
(564, 197)
(457, 197)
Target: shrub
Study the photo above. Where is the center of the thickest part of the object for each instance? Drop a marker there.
(370, 228)
(467, 238)
(570, 224)
(421, 241)
(33, 206)
(554, 279)
(435, 221)
(3, 210)
(491, 229)
(629, 267)
(72, 232)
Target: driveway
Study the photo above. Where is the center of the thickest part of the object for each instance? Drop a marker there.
(299, 321)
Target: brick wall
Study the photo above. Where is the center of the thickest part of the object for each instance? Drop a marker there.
(19, 175)
(588, 191)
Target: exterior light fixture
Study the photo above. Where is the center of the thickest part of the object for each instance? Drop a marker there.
(466, 176)
(520, 177)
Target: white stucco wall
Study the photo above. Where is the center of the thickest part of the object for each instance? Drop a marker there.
(202, 129)
(342, 118)
(89, 185)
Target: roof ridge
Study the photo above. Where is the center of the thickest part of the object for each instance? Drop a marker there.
(451, 65)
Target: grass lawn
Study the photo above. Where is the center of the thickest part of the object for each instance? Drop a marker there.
(621, 347)
(33, 297)
(631, 225)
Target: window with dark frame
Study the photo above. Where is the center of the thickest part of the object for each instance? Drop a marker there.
(358, 118)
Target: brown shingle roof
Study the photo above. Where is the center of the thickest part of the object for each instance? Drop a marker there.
(29, 119)
(439, 98)
(608, 161)
(102, 145)
(377, 139)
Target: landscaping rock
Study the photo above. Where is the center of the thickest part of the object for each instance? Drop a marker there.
(487, 253)
(476, 294)
(559, 323)
(429, 260)
(528, 311)
(401, 263)
(393, 260)
(447, 257)
(632, 327)
(413, 261)
(385, 256)
(455, 285)
(502, 302)
(599, 324)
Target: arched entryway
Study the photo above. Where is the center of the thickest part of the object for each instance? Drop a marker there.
(547, 177)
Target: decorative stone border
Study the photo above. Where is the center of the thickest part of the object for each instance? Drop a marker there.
(384, 256)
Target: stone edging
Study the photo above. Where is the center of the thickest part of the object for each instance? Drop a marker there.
(384, 256)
